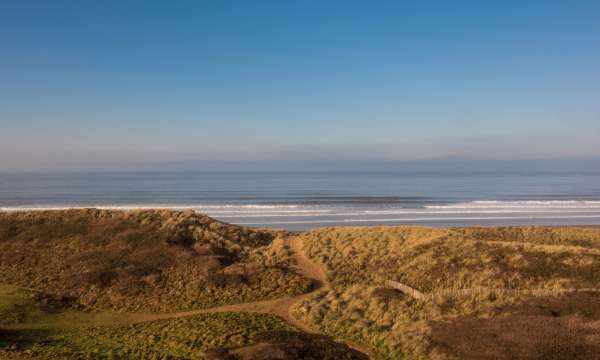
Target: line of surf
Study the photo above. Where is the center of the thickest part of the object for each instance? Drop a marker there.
(432, 219)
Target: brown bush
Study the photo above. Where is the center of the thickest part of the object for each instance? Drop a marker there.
(222, 280)
(542, 328)
(100, 279)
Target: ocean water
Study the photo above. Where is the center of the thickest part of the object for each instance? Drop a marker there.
(307, 200)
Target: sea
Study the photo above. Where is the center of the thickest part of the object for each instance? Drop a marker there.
(306, 200)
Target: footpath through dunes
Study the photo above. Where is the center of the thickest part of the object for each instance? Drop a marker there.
(280, 307)
(89, 283)
(109, 274)
(306, 268)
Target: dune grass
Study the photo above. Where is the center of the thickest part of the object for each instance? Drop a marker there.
(76, 284)
(151, 260)
(80, 283)
(30, 329)
(184, 338)
(393, 325)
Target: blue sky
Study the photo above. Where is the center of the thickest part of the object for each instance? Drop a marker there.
(125, 84)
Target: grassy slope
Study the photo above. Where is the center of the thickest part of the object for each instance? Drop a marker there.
(185, 338)
(143, 260)
(33, 329)
(57, 266)
(357, 260)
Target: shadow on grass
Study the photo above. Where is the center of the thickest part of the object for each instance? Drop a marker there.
(23, 339)
(559, 328)
(288, 345)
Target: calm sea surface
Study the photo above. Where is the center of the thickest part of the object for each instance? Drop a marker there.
(307, 200)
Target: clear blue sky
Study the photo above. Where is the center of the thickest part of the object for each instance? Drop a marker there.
(126, 84)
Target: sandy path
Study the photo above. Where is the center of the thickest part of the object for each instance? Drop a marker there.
(281, 307)
(308, 269)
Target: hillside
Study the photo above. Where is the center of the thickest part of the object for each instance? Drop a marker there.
(142, 260)
(149, 284)
(492, 287)
(179, 285)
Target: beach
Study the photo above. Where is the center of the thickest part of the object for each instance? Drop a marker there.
(305, 200)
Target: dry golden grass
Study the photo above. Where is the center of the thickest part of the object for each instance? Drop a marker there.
(568, 236)
(143, 260)
(358, 260)
(166, 261)
(431, 259)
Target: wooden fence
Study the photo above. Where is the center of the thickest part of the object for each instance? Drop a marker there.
(416, 294)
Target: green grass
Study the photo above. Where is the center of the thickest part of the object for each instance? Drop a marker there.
(184, 338)
(83, 335)
(75, 282)
(29, 328)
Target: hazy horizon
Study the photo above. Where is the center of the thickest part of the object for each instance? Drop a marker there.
(302, 85)
(448, 166)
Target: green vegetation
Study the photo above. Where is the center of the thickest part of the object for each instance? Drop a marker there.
(81, 284)
(182, 338)
(161, 261)
(86, 283)
(358, 260)
(48, 333)
(21, 309)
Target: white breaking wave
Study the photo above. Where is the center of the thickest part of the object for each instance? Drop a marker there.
(101, 207)
(486, 211)
(310, 213)
(266, 212)
(246, 206)
(528, 204)
(199, 207)
(240, 211)
(303, 215)
(383, 220)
